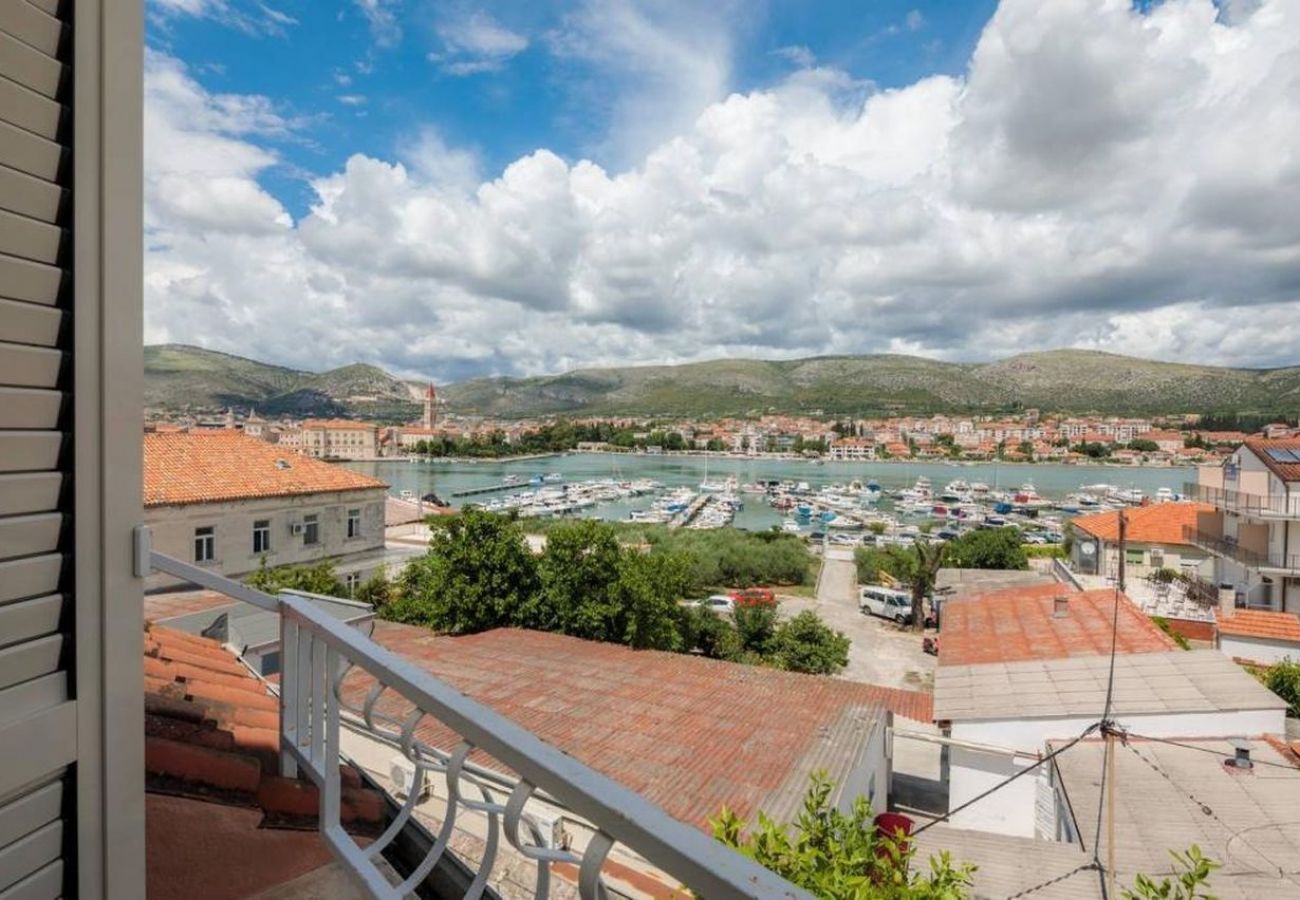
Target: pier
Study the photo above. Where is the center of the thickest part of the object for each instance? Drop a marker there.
(492, 488)
(690, 512)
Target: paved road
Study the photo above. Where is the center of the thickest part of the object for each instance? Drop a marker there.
(881, 653)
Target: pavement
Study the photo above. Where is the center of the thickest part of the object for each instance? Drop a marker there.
(881, 652)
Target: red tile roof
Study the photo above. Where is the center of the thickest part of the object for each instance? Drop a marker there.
(1018, 624)
(212, 731)
(338, 425)
(1285, 471)
(1159, 523)
(690, 734)
(1262, 624)
(209, 467)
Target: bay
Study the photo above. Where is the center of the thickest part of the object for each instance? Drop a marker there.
(1053, 481)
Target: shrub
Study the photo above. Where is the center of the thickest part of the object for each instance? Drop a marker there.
(840, 855)
(756, 626)
(807, 644)
(1283, 679)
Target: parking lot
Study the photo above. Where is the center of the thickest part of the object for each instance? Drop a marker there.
(881, 653)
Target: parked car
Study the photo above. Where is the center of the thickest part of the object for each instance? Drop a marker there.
(886, 603)
(720, 603)
(753, 597)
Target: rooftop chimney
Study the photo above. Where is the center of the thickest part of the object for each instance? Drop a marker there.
(1060, 607)
(1242, 759)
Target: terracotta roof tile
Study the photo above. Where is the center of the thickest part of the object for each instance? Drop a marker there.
(1285, 471)
(688, 733)
(209, 467)
(1159, 523)
(1263, 624)
(1018, 624)
(212, 730)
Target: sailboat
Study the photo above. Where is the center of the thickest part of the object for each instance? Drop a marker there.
(710, 487)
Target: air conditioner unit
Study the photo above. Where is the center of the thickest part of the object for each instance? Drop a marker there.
(401, 771)
(296, 528)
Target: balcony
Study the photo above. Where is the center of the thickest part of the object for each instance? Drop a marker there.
(319, 653)
(1273, 564)
(1255, 506)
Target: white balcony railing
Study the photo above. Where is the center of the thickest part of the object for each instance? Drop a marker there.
(1255, 506)
(319, 652)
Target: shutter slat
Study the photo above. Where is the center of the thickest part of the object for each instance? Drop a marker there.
(30, 619)
(29, 812)
(29, 110)
(30, 238)
(32, 26)
(43, 884)
(29, 577)
(32, 197)
(29, 451)
(33, 659)
(47, 6)
(29, 67)
(25, 855)
(23, 366)
(30, 153)
(22, 279)
(27, 323)
(28, 408)
(30, 534)
(29, 492)
(31, 697)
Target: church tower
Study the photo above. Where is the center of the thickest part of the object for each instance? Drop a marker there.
(430, 407)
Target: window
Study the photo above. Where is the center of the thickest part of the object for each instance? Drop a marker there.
(205, 544)
(354, 523)
(262, 536)
(352, 581)
(311, 529)
(1134, 557)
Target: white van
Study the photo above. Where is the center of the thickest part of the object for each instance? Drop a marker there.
(886, 603)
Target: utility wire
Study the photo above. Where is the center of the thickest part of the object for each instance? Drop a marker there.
(1006, 781)
(1210, 750)
(1209, 811)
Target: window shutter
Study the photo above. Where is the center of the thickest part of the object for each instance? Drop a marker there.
(37, 719)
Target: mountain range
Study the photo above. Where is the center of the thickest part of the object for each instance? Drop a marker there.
(180, 378)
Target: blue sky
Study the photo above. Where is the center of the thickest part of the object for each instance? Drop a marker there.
(362, 88)
(457, 189)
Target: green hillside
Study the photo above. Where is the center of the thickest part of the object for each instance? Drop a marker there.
(187, 378)
(179, 378)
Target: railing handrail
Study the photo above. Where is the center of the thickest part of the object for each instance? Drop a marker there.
(1217, 543)
(686, 852)
(699, 860)
(1280, 504)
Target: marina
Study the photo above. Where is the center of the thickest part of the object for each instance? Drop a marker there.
(840, 499)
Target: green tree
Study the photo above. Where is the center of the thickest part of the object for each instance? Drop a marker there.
(807, 644)
(319, 578)
(841, 856)
(377, 590)
(649, 588)
(580, 572)
(713, 636)
(988, 548)
(1283, 679)
(756, 626)
(1026, 449)
(715, 445)
(1142, 445)
(478, 574)
(894, 562)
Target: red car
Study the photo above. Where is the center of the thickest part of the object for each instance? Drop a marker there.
(754, 597)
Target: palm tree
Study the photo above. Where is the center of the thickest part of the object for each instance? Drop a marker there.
(927, 560)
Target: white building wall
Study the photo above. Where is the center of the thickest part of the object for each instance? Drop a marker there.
(174, 526)
(1011, 809)
(1257, 649)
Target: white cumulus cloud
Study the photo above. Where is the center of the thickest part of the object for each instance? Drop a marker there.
(1100, 177)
